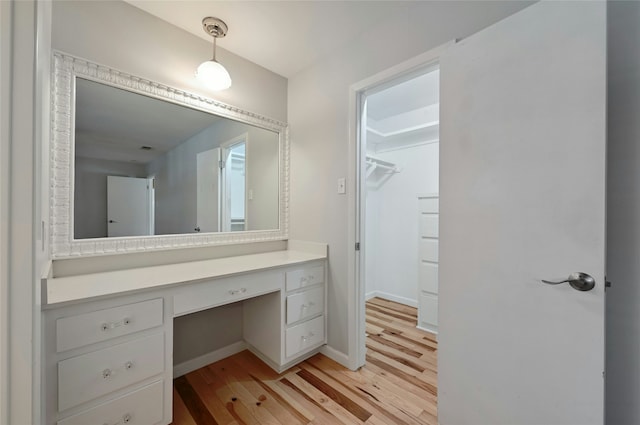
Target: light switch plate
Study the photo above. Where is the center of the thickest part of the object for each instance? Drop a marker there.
(342, 186)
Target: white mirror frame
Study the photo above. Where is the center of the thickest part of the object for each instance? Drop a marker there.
(63, 245)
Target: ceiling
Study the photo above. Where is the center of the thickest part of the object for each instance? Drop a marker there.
(282, 36)
(406, 96)
(114, 124)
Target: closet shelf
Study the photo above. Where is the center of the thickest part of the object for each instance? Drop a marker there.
(408, 129)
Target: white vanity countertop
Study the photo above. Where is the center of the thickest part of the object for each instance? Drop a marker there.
(74, 288)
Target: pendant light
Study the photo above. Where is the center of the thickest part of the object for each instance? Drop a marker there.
(211, 73)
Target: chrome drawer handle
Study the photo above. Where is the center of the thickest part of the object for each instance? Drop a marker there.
(108, 373)
(112, 325)
(307, 279)
(125, 420)
(310, 304)
(237, 291)
(306, 338)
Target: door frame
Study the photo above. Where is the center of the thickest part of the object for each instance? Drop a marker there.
(356, 197)
(225, 151)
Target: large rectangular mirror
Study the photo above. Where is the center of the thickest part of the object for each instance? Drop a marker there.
(137, 166)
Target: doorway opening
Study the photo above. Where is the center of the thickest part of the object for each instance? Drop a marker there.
(396, 266)
(234, 216)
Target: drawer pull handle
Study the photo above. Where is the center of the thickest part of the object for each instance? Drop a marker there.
(307, 279)
(237, 291)
(108, 373)
(310, 304)
(112, 325)
(306, 338)
(125, 420)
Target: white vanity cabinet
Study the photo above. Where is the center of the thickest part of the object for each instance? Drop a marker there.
(108, 351)
(286, 327)
(108, 362)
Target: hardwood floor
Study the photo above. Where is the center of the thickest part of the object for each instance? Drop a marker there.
(398, 385)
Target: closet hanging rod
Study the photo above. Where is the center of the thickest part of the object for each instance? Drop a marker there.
(382, 164)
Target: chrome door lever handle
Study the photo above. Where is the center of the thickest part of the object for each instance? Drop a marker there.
(579, 281)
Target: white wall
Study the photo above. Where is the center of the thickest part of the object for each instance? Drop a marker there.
(176, 180)
(121, 36)
(623, 210)
(392, 252)
(263, 171)
(318, 118)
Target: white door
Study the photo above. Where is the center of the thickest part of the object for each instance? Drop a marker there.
(208, 190)
(128, 206)
(522, 185)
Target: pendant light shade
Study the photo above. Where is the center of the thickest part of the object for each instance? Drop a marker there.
(211, 73)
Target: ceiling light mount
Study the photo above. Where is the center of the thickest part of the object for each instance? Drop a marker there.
(214, 27)
(211, 72)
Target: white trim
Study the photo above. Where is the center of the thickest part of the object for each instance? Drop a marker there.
(208, 358)
(224, 207)
(391, 297)
(5, 141)
(335, 355)
(63, 245)
(433, 331)
(355, 284)
(42, 257)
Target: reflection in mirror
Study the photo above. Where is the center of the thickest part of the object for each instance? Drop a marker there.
(145, 166)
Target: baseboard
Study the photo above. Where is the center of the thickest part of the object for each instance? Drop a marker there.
(431, 331)
(370, 295)
(205, 359)
(391, 297)
(335, 355)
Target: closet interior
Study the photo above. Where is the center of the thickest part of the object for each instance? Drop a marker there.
(401, 134)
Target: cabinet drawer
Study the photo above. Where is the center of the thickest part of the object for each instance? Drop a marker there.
(429, 250)
(89, 328)
(428, 277)
(94, 374)
(304, 277)
(429, 225)
(224, 291)
(428, 311)
(306, 335)
(428, 205)
(305, 304)
(140, 407)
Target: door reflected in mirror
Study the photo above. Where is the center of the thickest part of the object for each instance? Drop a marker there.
(145, 166)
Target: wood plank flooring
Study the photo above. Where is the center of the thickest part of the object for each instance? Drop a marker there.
(398, 385)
